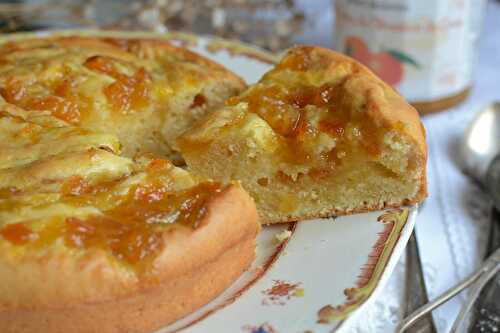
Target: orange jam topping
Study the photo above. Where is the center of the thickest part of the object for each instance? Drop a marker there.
(157, 164)
(286, 109)
(300, 60)
(14, 91)
(131, 231)
(127, 93)
(75, 185)
(283, 107)
(59, 107)
(17, 233)
(62, 106)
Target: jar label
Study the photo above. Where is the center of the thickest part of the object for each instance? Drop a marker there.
(424, 49)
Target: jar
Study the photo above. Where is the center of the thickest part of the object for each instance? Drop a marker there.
(425, 49)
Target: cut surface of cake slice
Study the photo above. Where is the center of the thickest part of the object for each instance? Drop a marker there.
(318, 135)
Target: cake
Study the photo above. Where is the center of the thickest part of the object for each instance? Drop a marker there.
(100, 231)
(93, 239)
(319, 135)
(145, 91)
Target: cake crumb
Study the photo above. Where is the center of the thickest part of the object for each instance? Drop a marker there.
(285, 234)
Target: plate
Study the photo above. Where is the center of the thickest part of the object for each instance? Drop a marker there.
(323, 274)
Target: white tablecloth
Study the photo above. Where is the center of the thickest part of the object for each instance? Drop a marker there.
(452, 227)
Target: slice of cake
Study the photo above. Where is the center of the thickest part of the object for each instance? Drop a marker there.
(318, 135)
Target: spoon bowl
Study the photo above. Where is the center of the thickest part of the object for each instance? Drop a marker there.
(482, 142)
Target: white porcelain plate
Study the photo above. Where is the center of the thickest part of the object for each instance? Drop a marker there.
(321, 277)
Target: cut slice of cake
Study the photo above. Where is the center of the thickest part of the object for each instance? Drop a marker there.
(318, 135)
(144, 91)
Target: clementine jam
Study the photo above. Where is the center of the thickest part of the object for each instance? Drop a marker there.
(131, 231)
(287, 109)
(127, 93)
(63, 107)
(17, 233)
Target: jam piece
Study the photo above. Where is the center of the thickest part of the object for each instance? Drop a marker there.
(129, 242)
(271, 104)
(102, 64)
(300, 60)
(333, 127)
(75, 185)
(59, 107)
(322, 96)
(64, 88)
(198, 100)
(127, 92)
(13, 91)
(157, 164)
(17, 233)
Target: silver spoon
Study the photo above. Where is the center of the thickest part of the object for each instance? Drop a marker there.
(480, 158)
(481, 143)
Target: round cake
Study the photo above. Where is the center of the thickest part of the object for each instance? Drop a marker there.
(97, 232)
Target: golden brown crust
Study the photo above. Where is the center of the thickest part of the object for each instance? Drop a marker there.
(60, 294)
(144, 312)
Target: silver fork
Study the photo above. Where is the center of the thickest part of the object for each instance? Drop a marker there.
(477, 280)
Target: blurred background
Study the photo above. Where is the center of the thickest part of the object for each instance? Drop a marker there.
(271, 24)
(392, 37)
